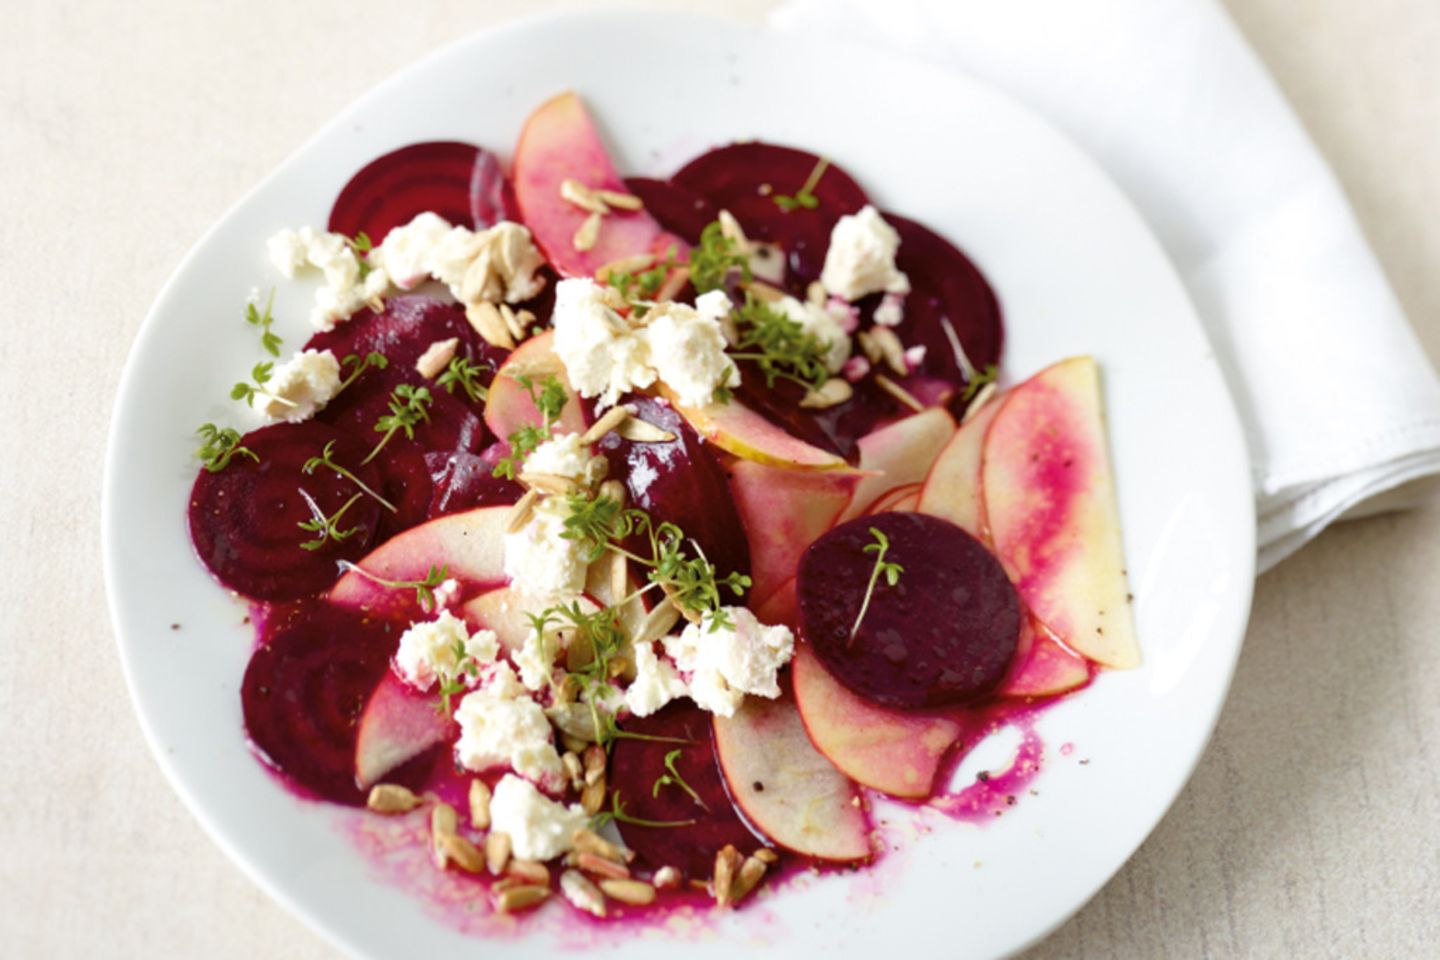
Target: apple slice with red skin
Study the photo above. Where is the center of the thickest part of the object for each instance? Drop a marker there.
(784, 787)
(952, 488)
(508, 406)
(469, 544)
(1052, 514)
(895, 752)
(399, 724)
(784, 511)
(899, 453)
(1042, 666)
(559, 142)
(901, 498)
(739, 430)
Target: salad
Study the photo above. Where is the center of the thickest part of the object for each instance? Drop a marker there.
(637, 535)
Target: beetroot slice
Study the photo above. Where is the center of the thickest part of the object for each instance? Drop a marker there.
(683, 212)
(244, 520)
(303, 694)
(459, 181)
(943, 635)
(462, 481)
(945, 288)
(635, 765)
(744, 178)
(680, 482)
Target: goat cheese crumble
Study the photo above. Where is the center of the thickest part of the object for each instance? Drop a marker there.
(861, 257)
(300, 386)
(539, 828)
(439, 649)
(605, 356)
(824, 324)
(498, 263)
(569, 457)
(656, 683)
(514, 732)
(728, 662)
(345, 290)
(542, 563)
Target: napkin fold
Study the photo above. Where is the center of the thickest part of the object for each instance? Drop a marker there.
(1337, 398)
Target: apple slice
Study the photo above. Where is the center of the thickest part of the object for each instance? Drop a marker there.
(1050, 504)
(398, 724)
(897, 753)
(470, 544)
(786, 789)
(559, 142)
(952, 488)
(784, 511)
(508, 406)
(737, 429)
(899, 499)
(899, 453)
(1042, 667)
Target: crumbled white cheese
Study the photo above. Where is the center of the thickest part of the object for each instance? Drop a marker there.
(656, 683)
(300, 386)
(891, 312)
(823, 324)
(725, 664)
(513, 732)
(539, 828)
(439, 649)
(606, 357)
(687, 347)
(499, 263)
(603, 357)
(861, 257)
(536, 658)
(447, 593)
(345, 290)
(499, 680)
(539, 560)
(569, 457)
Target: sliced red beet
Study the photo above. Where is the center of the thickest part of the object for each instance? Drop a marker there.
(680, 482)
(948, 295)
(745, 178)
(635, 765)
(459, 181)
(683, 212)
(944, 634)
(304, 692)
(462, 481)
(245, 520)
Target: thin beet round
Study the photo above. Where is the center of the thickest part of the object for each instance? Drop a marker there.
(304, 691)
(245, 520)
(636, 765)
(458, 181)
(943, 635)
(683, 212)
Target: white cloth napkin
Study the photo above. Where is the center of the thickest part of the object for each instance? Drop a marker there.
(1337, 398)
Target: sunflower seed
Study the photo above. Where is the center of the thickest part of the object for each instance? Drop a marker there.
(657, 623)
(479, 805)
(530, 871)
(512, 322)
(462, 853)
(891, 349)
(588, 841)
(575, 192)
(982, 397)
(601, 867)
(436, 357)
(835, 391)
(582, 893)
(611, 419)
(898, 392)
(443, 822)
(523, 510)
(573, 770)
(634, 892)
(588, 233)
(497, 852)
(747, 878)
(620, 201)
(391, 798)
(767, 855)
(727, 864)
(516, 899)
(643, 431)
(485, 318)
(592, 798)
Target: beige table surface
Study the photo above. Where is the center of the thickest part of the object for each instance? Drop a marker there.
(1310, 828)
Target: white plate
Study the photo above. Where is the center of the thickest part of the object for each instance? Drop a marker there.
(1076, 270)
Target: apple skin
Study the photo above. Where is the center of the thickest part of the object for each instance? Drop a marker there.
(508, 406)
(785, 788)
(952, 487)
(397, 725)
(784, 511)
(899, 454)
(1042, 666)
(470, 544)
(559, 142)
(897, 753)
(900, 500)
(739, 430)
(1051, 510)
